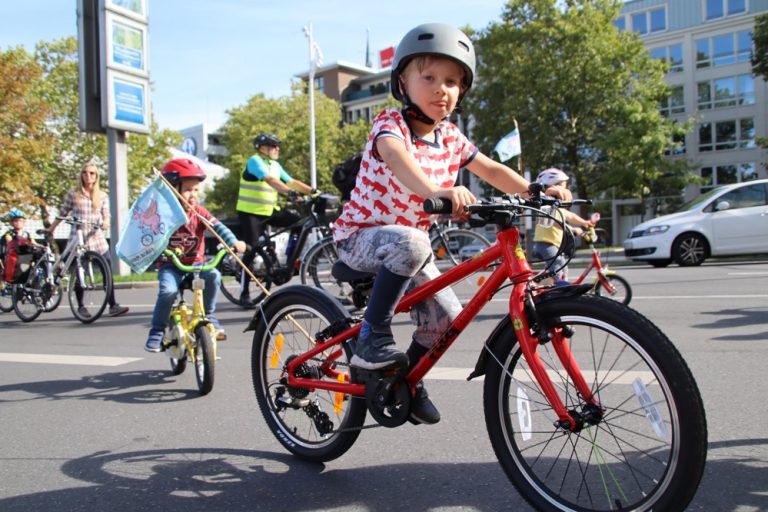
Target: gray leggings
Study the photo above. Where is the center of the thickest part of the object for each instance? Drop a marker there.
(403, 251)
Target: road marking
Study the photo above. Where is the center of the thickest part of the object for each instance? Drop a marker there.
(12, 357)
(674, 297)
(612, 377)
(747, 273)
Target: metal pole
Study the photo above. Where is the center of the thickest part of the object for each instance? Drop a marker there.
(117, 155)
(312, 66)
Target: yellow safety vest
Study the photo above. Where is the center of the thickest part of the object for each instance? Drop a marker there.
(258, 197)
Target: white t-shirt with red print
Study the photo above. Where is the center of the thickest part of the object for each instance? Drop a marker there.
(379, 198)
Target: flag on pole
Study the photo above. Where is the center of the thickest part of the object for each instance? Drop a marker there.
(508, 146)
(154, 216)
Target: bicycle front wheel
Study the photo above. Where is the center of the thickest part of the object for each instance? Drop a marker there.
(232, 276)
(313, 424)
(620, 292)
(90, 284)
(26, 302)
(204, 359)
(453, 246)
(316, 269)
(645, 451)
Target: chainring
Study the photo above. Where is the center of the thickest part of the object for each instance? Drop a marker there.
(389, 400)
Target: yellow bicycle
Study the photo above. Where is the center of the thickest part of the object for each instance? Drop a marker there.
(190, 335)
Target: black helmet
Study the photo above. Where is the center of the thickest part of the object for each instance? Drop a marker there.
(434, 39)
(266, 139)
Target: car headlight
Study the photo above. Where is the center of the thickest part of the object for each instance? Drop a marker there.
(655, 230)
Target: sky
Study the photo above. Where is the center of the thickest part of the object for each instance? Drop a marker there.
(208, 56)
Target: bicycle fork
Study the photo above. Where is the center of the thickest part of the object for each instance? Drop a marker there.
(523, 313)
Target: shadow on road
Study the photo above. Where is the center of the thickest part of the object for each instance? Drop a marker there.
(113, 387)
(230, 480)
(726, 319)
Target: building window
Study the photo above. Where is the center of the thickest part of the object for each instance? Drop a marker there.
(673, 55)
(724, 49)
(678, 145)
(726, 174)
(648, 22)
(675, 103)
(320, 83)
(726, 92)
(620, 23)
(725, 135)
(719, 8)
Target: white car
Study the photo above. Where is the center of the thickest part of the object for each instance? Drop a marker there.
(728, 220)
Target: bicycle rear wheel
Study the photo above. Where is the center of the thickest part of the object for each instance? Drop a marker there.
(456, 245)
(622, 292)
(26, 302)
(90, 284)
(316, 269)
(313, 424)
(645, 451)
(204, 359)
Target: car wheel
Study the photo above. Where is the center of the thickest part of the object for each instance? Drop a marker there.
(689, 250)
(660, 263)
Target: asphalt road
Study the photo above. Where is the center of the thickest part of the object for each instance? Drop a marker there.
(89, 421)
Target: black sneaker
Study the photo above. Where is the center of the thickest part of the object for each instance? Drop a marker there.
(422, 408)
(376, 350)
(83, 312)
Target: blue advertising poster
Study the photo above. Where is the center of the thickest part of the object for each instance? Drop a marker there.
(129, 102)
(127, 46)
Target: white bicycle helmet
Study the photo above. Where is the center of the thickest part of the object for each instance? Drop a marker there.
(551, 176)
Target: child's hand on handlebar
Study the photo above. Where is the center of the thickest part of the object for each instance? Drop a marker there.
(559, 192)
(239, 247)
(458, 196)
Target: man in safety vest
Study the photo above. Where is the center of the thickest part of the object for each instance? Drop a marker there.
(260, 182)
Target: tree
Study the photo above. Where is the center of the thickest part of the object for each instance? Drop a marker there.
(41, 146)
(288, 118)
(760, 41)
(24, 140)
(586, 97)
(760, 58)
(73, 148)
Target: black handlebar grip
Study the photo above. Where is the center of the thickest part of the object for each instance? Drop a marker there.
(438, 205)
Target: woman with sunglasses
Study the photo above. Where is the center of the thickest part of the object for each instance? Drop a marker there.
(88, 203)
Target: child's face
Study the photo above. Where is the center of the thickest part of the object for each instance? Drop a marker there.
(435, 88)
(189, 190)
(18, 223)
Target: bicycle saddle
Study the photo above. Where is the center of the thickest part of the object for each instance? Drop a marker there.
(344, 272)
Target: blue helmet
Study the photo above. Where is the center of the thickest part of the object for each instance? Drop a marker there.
(15, 213)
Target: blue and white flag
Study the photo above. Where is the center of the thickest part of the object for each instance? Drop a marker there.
(154, 216)
(508, 146)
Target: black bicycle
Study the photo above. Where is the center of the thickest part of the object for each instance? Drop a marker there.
(267, 266)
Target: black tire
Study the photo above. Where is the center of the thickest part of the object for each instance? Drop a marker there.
(231, 274)
(54, 298)
(276, 339)
(6, 296)
(690, 250)
(648, 450)
(622, 291)
(205, 359)
(91, 274)
(178, 364)
(316, 269)
(26, 302)
(448, 250)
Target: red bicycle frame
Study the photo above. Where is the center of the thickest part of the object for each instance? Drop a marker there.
(515, 267)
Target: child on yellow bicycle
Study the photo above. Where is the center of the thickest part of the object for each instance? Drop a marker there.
(189, 241)
(548, 235)
(411, 155)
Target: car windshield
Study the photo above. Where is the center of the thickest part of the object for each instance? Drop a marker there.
(699, 201)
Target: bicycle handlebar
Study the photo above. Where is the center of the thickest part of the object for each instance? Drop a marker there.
(201, 267)
(506, 203)
(74, 221)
